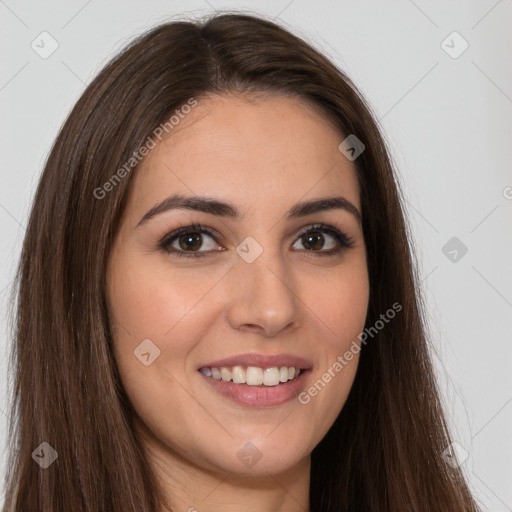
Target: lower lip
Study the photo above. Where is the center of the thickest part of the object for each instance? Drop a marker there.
(259, 396)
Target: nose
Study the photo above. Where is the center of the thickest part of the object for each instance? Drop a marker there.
(262, 296)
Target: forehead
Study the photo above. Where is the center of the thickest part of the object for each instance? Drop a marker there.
(274, 148)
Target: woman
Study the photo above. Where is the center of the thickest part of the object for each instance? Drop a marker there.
(217, 303)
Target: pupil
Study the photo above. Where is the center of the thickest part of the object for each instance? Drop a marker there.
(313, 240)
(190, 241)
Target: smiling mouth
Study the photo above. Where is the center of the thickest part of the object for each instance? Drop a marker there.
(253, 375)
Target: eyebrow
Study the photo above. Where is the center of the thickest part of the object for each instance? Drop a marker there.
(223, 209)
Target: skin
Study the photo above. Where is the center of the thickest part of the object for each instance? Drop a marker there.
(263, 156)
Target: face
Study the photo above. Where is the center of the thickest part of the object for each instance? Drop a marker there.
(213, 323)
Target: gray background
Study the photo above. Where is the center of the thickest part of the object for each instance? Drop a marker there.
(448, 124)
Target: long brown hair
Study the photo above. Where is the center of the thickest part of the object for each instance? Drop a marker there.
(384, 451)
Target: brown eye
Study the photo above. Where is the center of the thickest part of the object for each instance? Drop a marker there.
(313, 240)
(323, 240)
(190, 241)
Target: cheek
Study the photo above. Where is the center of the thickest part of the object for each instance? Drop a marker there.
(155, 312)
(340, 306)
(339, 301)
(161, 312)
(151, 301)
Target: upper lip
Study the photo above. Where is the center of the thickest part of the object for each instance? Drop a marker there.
(261, 360)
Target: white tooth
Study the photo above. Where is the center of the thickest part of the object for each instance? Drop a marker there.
(225, 374)
(271, 376)
(206, 371)
(283, 374)
(291, 372)
(238, 375)
(216, 373)
(254, 376)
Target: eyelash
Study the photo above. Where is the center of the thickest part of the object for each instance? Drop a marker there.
(344, 241)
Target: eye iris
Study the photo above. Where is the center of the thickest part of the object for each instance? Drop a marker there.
(190, 241)
(313, 239)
